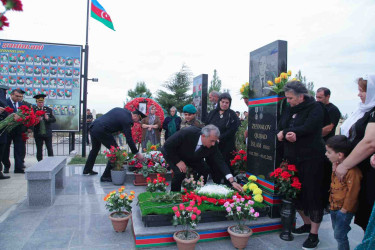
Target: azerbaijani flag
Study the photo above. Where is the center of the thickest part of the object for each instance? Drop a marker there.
(99, 13)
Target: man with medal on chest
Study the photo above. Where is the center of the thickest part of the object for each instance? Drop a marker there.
(43, 131)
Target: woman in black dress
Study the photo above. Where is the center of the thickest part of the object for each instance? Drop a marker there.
(227, 121)
(300, 131)
(361, 132)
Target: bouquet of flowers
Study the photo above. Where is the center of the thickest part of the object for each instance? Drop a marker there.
(26, 115)
(286, 180)
(245, 90)
(252, 188)
(240, 210)
(117, 157)
(191, 184)
(188, 217)
(157, 184)
(239, 163)
(278, 86)
(119, 201)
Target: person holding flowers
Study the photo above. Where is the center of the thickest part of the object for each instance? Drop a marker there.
(300, 131)
(102, 130)
(43, 131)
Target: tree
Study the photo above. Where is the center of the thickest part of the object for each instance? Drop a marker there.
(140, 90)
(178, 85)
(308, 85)
(215, 83)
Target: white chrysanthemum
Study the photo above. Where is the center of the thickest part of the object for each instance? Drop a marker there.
(215, 189)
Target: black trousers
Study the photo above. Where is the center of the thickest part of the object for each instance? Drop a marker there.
(99, 136)
(19, 151)
(2, 147)
(39, 146)
(201, 169)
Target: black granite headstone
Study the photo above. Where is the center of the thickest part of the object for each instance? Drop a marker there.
(264, 154)
(200, 96)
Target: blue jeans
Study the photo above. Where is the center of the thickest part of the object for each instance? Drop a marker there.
(341, 228)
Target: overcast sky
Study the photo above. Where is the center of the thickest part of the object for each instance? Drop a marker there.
(332, 42)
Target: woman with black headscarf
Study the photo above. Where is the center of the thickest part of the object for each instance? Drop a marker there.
(171, 123)
(3, 136)
(227, 121)
(300, 131)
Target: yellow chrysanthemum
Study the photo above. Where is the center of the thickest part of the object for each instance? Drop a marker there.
(252, 178)
(258, 198)
(289, 73)
(253, 186)
(245, 187)
(257, 191)
(270, 83)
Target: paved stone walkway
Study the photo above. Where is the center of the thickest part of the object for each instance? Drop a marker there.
(78, 220)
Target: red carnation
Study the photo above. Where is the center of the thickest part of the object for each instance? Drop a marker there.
(243, 152)
(12, 5)
(292, 168)
(3, 22)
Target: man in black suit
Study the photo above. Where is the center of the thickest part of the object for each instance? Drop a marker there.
(189, 147)
(102, 130)
(14, 102)
(3, 136)
(43, 131)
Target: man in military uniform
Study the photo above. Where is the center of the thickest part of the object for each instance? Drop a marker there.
(190, 120)
(102, 130)
(43, 131)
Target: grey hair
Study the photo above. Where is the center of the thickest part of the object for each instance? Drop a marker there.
(296, 87)
(209, 129)
(215, 93)
(173, 107)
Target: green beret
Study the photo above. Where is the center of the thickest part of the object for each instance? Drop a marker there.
(189, 109)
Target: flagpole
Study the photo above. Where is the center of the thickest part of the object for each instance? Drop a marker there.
(85, 73)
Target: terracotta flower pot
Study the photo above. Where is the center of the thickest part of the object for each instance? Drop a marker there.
(185, 244)
(139, 180)
(239, 240)
(120, 224)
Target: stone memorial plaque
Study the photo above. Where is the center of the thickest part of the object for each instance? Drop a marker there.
(266, 63)
(200, 96)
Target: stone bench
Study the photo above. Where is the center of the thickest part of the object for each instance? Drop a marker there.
(43, 178)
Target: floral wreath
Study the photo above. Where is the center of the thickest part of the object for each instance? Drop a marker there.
(134, 104)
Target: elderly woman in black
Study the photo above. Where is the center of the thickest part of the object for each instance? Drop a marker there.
(227, 121)
(171, 123)
(300, 131)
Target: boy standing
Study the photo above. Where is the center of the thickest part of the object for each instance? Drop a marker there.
(344, 194)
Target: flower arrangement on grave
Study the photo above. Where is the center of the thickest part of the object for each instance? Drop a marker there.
(191, 184)
(119, 203)
(26, 117)
(286, 180)
(278, 86)
(239, 162)
(157, 184)
(117, 157)
(154, 162)
(252, 188)
(186, 216)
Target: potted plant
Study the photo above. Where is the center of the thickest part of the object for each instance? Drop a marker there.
(119, 203)
(156, 185)
(117, 157)
(154, 164)
(188, 217)
(288, 186)
(241, 211)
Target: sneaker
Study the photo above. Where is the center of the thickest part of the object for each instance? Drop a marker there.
(311, 243)
(303, 230)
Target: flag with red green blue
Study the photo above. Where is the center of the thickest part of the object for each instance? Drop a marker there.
(100, 14)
